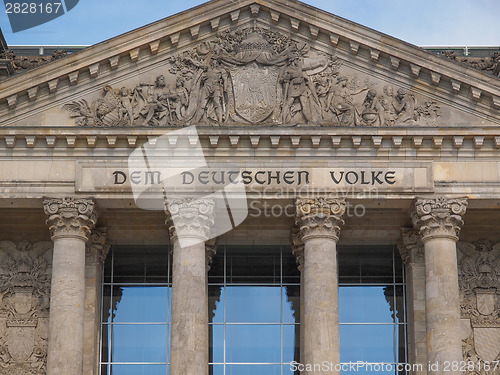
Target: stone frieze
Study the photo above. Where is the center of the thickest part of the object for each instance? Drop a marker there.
(254, 76)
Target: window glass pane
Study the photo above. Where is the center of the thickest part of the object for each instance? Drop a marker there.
(261, 264)
(400, 305)
(288, 369)
(140, 265)
(139, 343)
(253, 304)
(253, 369)
(291, 349)
(104, 343)
(365, 264)
(141, 304)
(138, 369)
(291, 273)
(216, 350)
(216, 370)
(107, 267)
(216, 271)
(106, 304)
(216, 304)
(401, 342)
(371, 368)
(366, 304)
(367, 342)
(253, 344)
(291, 304)
(398, 265)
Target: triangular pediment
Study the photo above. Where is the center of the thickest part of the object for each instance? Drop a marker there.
(267, 62)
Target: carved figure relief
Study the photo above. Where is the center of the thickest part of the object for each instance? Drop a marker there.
(25, 273)
(479, 280)
(253, 76)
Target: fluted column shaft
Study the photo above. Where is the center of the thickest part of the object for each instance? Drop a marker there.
(190, 222)
(319, 222)
(70, 221)
(439, 221)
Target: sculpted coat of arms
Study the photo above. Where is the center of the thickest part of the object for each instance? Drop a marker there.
(479, 280)
(253, 76)
(24, 307)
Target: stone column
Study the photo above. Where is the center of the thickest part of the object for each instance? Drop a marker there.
(298, 251)
(319, 222)
(190, 222)
(97, 249)
(439, 221)
(70, 221)
(411, 249)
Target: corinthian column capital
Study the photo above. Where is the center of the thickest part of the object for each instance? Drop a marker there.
(210, 251)
(438, 217)
(190, 219)
(411, 246)
(319, 217)
(297, 247)
(97, 247)
(70, 217)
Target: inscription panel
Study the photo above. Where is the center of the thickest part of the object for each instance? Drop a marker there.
(280, 178)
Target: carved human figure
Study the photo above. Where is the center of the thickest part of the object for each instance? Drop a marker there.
(372, 112)
(388, 102)
(177, 100)
(213, 83)
(154, 104)
(299, 93)
(404, 107)
(324, 90)
(343, 102)
(126, 110)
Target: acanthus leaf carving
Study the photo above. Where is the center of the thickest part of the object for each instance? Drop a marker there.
(210, 251)
(319, 217)
(190, 217)
(411, 247)
(98, 245)
(253, 75)
(297, 247)
(25, 276)
(70, 217)
(438, 217)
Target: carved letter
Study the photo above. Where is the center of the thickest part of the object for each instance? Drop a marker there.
(184, 174)
(135, 177)
(389, 177)
(300, 176)
(375, 177)
(119, 174)
(347, 177)
(332, 175)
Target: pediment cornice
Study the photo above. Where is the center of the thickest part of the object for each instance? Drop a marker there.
(356, 44)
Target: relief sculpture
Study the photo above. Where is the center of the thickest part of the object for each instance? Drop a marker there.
(479, 280)
(25, 273)
(253, 76)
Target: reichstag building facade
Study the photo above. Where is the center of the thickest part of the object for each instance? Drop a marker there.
(250, 187)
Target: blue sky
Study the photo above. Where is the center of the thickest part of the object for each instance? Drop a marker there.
(421, 22)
